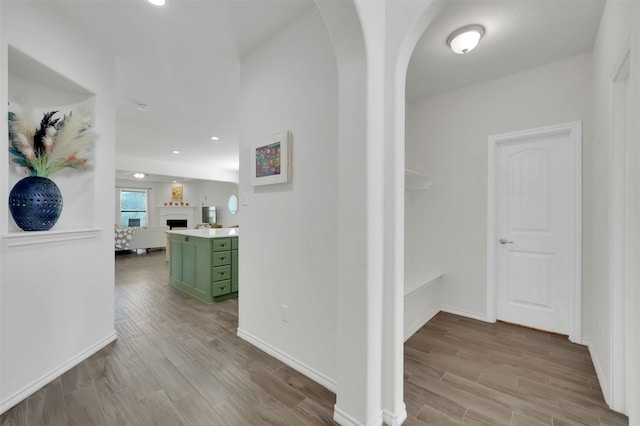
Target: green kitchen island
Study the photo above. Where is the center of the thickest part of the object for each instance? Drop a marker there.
(204, 262)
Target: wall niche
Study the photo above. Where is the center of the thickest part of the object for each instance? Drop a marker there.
(34, 89)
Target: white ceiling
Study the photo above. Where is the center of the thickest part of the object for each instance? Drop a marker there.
(519, 35)
(183, 61)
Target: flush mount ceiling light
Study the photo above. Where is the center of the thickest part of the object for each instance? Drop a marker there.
(138, 175)
(156, 2)
(175, 151)
(465, 39)
(214, 138)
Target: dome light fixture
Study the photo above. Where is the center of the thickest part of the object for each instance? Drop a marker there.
(215, 138)
(156, 2)
(138, 175)
(175, 151)
(465, 39)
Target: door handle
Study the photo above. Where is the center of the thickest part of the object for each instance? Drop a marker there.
(504, 241)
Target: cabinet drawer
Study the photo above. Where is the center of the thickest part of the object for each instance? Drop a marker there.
(221, 273)
(221, 244)
(220, 287)
(221, 258)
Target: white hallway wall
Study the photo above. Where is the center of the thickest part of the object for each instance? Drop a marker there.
(447, 140)
(614, 38)
(290, 230)
(56, 301)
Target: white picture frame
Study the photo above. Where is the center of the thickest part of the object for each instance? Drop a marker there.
(270, 159)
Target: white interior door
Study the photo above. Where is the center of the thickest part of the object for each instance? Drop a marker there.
(534, 223)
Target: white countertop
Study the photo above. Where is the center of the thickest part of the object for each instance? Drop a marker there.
(208, 233)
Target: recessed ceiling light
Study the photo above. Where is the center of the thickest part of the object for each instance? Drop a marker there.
(156, 2)
(175, 152)
(215, 138)
(465, 39)
(143, 107)
(138, 175)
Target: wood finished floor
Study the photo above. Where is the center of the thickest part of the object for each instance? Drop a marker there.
(178, 362)
(463, 371)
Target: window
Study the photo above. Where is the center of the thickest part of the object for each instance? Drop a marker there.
(133, 207)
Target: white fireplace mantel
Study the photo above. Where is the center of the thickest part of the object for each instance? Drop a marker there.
(178, 213)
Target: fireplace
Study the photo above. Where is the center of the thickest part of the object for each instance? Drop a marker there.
(176, 223)
(179, 217)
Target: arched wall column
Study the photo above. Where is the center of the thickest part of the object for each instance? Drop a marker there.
(359, 322)
(407, 21)
(373, 43)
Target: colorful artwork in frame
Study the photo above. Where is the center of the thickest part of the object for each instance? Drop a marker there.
(270, 160)
(176, 192)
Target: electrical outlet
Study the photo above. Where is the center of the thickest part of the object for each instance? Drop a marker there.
(284, 311)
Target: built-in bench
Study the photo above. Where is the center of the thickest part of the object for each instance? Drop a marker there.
(421, 298)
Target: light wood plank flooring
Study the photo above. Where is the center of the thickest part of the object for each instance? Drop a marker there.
(178, 361)
(463, 371)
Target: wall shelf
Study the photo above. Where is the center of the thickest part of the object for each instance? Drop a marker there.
(414, 181)
(42, 237)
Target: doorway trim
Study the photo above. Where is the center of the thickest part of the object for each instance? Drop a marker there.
(574, 131)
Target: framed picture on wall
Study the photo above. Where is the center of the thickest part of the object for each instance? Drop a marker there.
(270, 159)
(176, 192)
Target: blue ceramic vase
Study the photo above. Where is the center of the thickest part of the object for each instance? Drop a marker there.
(35, 203)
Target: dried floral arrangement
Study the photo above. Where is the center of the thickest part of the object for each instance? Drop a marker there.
(56, 144)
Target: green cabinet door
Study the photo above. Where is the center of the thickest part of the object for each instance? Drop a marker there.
(202, 267)
(188, 264)
(175, 260)
(234, 271)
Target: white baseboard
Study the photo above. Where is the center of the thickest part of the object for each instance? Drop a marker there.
(410, 332)
(604, 384)
(395, 419)
(463, 313)
(37, 384)
(344, 419)
(291, 362)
